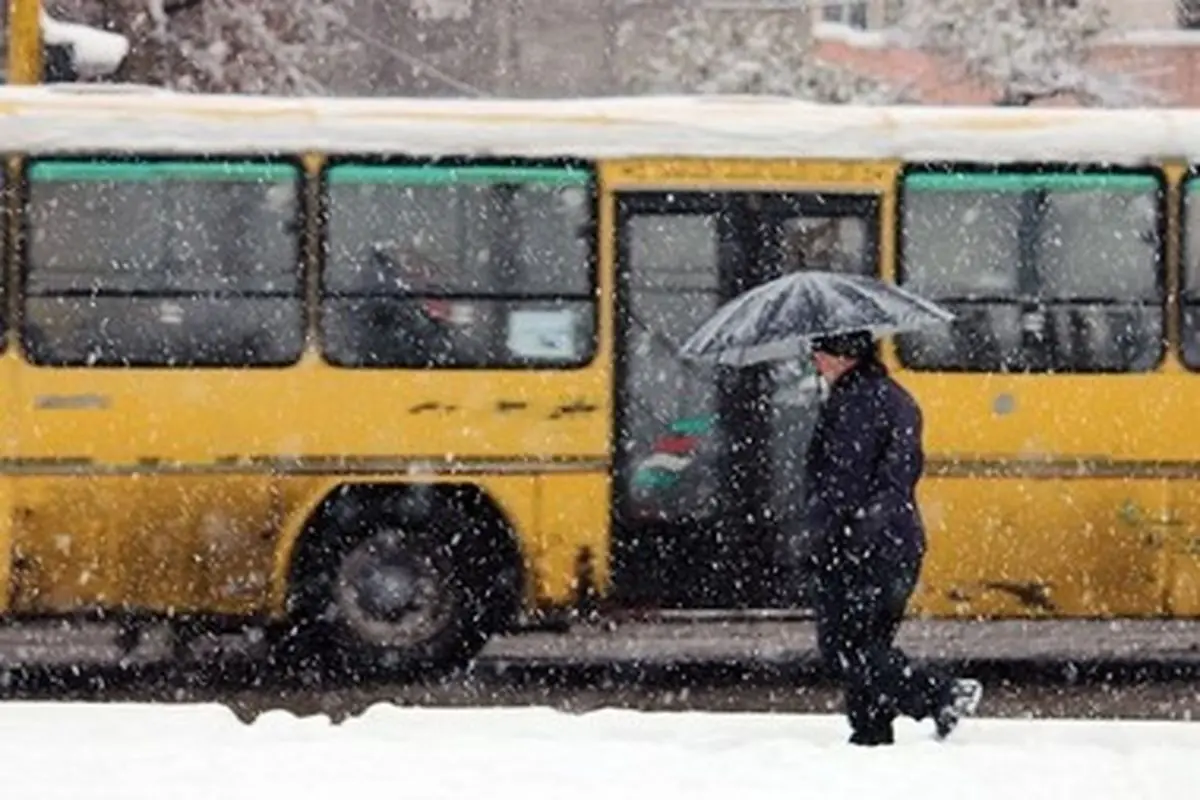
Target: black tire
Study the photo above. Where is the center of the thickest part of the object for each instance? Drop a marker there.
(390, 598)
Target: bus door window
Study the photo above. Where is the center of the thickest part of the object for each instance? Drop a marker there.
(830, 243)
(1047, 272)
(673, 285)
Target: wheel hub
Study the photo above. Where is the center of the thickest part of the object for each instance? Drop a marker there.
(390, 594)
(386, 592)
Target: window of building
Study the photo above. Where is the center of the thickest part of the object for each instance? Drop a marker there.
(1188, 13)
(852, 14)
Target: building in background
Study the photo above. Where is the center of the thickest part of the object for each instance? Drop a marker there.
(549, 48)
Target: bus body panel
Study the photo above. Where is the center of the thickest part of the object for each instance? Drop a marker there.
(186, 490)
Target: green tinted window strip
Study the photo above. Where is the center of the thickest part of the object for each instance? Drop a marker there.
(159, 171)
(1021, 182)
(444, 176)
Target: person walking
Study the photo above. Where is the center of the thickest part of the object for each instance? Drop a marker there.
(864, 461)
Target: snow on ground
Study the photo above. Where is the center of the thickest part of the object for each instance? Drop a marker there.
(82, 751)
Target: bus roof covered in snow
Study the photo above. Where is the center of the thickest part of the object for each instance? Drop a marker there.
(48, 119)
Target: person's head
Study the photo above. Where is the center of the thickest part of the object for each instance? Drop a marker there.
(834, 355)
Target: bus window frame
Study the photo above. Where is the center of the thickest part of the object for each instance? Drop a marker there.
(1050, 168)
(304, 213)
(591, 226)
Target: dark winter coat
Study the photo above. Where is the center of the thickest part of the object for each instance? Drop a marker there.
(862, 468)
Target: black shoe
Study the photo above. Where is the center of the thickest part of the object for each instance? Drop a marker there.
(873, 738)
(964, 696)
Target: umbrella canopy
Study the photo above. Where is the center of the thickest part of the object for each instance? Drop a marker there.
(775, 321)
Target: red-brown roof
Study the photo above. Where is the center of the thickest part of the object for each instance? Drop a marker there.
(1172, 71)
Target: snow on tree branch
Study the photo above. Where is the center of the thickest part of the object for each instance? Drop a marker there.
(252, 46)
(1028, 49)
(441, 10)
(255, 46)
(726, 53)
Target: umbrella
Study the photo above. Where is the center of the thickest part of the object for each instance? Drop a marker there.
(775, 321)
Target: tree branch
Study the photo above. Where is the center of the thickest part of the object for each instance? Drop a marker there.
(724, 53)
(1026, 97)
(1024, 51)
(175, 6)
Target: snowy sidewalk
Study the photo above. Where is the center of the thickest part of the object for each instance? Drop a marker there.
(183, 752)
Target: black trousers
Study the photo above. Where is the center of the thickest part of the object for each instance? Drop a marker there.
(859, 607)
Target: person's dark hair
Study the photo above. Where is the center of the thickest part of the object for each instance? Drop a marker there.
(859, 344)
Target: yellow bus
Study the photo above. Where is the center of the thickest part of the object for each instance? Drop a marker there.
(396, 374)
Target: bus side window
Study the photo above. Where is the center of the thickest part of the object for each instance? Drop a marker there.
(1190, 295)
(162, 264)
(443, 267)
(4, 236)
(1047, 272)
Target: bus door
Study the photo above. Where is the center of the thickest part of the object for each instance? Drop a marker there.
(709, 459)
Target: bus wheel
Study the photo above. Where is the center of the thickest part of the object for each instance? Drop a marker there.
(392, 600)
